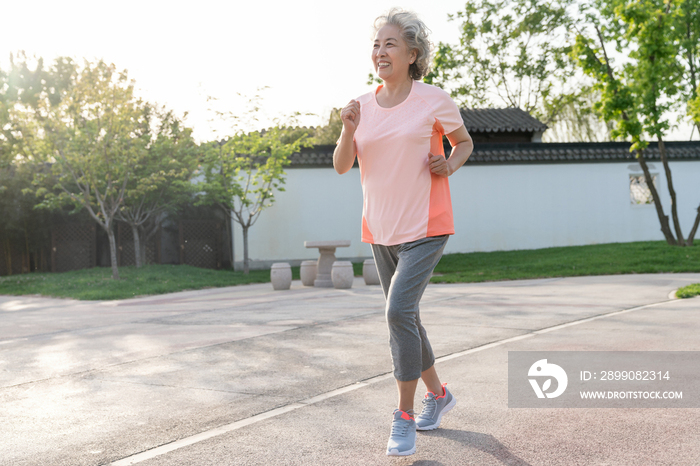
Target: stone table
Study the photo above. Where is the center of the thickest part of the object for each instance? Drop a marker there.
(325, 260)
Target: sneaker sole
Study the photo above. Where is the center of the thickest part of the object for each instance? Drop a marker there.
(396, 452)
(445, 410)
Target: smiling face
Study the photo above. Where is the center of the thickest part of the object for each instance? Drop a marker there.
(390, 54)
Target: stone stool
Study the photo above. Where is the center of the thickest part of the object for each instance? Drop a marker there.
(281, 276)
(342, 275)
(369, 272)
(326, 259)
(308, 272)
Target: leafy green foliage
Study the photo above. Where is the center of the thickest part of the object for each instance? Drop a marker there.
(688, 291)
(652, 79)
(26, 89)
(93, 136)
(694, 108)
(637, 93)
(242, 172)
(512, 52)
(159, 180)
(90, 144)
(372, 79)
(28, 85)
(687, 26)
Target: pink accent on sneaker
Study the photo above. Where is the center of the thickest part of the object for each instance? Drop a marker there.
(405, 415)
(444, 392)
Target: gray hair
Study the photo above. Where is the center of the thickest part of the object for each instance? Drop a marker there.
(415, 33)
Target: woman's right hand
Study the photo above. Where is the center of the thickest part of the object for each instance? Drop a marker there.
(350, 116)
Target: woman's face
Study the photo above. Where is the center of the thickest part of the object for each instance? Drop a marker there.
(390, 54)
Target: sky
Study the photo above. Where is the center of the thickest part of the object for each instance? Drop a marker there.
(312, 55)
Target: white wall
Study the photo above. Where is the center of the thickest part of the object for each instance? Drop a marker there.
(317, 205)
(496, 207)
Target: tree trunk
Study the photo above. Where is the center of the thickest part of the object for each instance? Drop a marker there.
(672, 192)
(229, 231)
(229, 234)
(137, 245)
(113, 253)
(691, 235)
(663, 218)
(246, 270)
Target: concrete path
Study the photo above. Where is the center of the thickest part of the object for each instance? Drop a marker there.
(248, 376)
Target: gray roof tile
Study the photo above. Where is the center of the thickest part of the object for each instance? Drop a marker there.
(578, 152)
(500, 120)
(520, 153)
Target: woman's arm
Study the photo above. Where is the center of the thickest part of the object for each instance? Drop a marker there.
(344, 154)
(462, 147)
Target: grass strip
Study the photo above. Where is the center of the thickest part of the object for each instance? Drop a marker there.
(97, 283)
(601, 259)
(597, 259)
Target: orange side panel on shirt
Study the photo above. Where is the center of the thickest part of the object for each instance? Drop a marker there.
(440, 220)
(366, 234)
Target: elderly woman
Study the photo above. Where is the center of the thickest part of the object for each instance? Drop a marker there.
(396, 132)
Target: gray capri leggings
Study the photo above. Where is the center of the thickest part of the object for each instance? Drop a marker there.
(404, 272)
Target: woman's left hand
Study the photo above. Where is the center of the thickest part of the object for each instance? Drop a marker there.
(438, 165)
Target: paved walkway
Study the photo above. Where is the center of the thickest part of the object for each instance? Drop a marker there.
(248, 376)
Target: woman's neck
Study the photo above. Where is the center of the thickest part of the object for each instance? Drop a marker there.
(393, 93)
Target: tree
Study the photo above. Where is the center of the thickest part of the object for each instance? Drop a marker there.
(242, 175)
(694, 109)
(22, 86)
(30, 86)
(688, 30)
(6, 137)
(512, 53)
(577, 121)
(638, 94)
(160, 178)
(93, 137)
(243, 170)
(687, 27)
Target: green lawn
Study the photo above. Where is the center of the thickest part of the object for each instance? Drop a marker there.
(603, 259)
(97, 283)
(598, 259)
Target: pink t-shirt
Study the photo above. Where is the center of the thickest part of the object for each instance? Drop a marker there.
(403, 200)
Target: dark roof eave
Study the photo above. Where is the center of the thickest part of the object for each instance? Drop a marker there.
(533, 153)
(500, 119)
